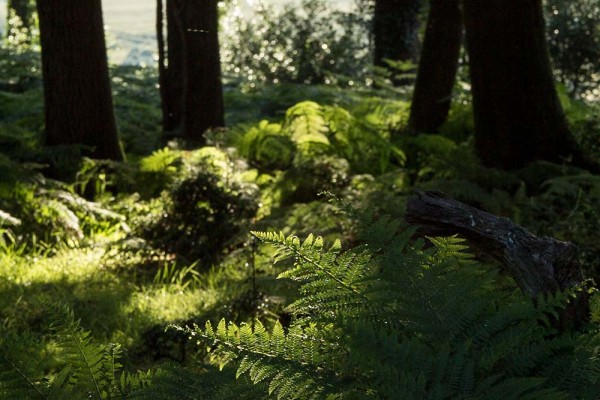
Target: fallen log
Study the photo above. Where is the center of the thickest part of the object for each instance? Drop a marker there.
(539, 265)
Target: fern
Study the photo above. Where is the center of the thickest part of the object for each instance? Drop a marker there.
(161, 161)
(393, 318)
(307, 127)
(90, 370)
(267, 146)
(92, 367)
(19, 378)
(285, 365)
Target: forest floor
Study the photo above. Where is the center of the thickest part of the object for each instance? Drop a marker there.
(107, 241)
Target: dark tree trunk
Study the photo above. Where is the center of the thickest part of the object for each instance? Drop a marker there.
(518, 117)
(191, 91)
(22, 9)
(162, 61)
(395, 31)
(539, 265)
(77, 92)
(203, 93)
(437, 66)
(172, 73)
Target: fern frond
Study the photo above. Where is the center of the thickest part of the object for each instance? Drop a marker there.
(331, 279)
(266, 144)
(279, 360)
(163, 160)
(19, 379)
(172, 382)
(90, 364)
(85, 358)
(131, 383)
(306, 125)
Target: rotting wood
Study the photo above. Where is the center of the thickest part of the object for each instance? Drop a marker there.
(539, 265)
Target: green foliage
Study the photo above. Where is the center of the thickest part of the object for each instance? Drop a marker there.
(171, 382)
(310, 130)
(47, 210)
(574, 41)
(21, 25)
(90, 370)
(308, 46)
(19, 51)
(319, 148)
(204, 210)
(395, 319)
(567, 208)
(267, 146)
(388, 318)
(158, 170)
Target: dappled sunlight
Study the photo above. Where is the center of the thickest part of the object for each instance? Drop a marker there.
(165, 305)
(68, 265)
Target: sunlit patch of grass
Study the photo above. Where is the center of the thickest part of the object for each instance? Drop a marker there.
(114, 302)
(68, 265)
(164, 305)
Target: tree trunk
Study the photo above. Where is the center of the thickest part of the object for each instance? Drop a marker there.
(203, 93)
(191, 90)
(539, 265)
(395, 31)
(162, 60)
(77, 92)
(518, 117)
(172, 74)
(437, 67)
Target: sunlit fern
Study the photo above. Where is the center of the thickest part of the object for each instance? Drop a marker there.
(394, 318)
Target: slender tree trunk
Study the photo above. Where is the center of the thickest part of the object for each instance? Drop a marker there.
(173, 75)
(203, 94)
(395, 31)
(518, 117)
(162, 60)
(77, 92)
(437, 67)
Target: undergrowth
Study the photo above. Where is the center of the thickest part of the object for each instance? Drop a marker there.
(129, 248)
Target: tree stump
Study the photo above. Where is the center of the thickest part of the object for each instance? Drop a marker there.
(539, 265)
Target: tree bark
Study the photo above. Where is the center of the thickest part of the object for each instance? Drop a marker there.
(172, 73)
(162, 61)
(518, 117)
(395, 31)
(191, 91)
(77, 91)
(437, 67)
(203, 93)
(539, 265)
